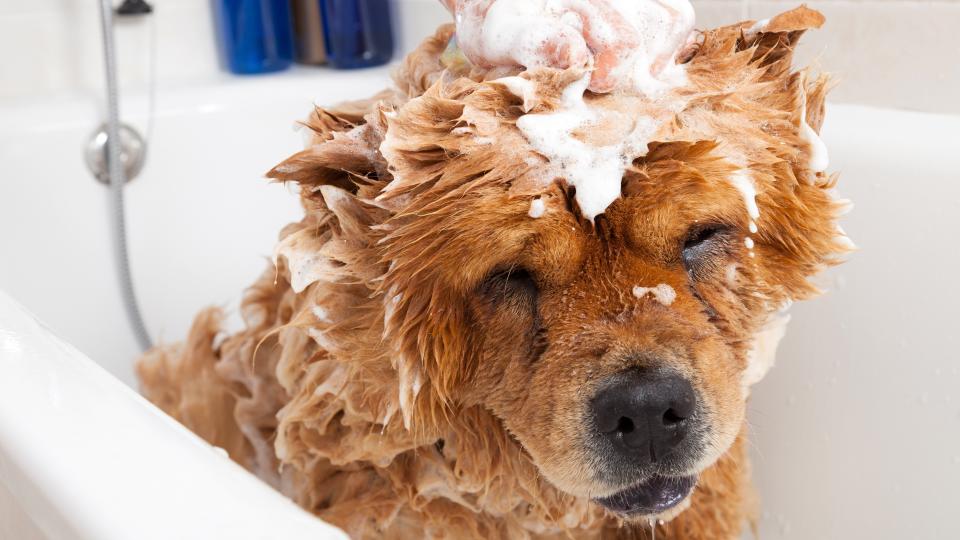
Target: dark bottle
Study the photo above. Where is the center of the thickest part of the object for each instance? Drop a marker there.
(308, 32)
(255, 35)
(358, 33)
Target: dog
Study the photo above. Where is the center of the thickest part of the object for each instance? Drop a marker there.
(448, 345)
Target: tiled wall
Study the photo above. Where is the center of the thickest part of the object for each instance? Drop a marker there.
(891, 53)
(898, 53)
(54, 46)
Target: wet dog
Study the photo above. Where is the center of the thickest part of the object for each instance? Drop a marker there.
(449, 344)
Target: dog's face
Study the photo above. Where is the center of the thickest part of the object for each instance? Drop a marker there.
(618, 351)
(615, 353)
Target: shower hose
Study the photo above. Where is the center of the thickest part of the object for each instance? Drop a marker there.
(117, 180)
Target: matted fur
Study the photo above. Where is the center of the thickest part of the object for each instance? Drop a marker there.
(354, 386)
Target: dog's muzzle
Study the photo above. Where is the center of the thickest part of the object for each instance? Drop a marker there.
(644, 426)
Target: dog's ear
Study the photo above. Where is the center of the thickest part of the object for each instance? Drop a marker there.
(342, 149)
(434, 262)
(773, 40)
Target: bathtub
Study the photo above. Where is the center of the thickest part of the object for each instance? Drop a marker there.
(855, 432)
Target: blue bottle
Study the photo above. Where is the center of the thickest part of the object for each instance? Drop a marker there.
(255, 35)
(358, 33)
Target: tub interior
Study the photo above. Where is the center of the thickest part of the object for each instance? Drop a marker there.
(855, 433)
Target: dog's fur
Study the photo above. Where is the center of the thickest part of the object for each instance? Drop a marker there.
(393, 379)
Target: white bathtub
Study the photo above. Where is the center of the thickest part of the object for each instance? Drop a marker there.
(856, 431)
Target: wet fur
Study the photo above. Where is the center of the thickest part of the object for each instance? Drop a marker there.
(410, 405)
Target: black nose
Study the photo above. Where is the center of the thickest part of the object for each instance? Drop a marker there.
(644, 414)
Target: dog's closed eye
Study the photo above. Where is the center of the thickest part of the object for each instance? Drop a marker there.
(703, 248)
(514, 283)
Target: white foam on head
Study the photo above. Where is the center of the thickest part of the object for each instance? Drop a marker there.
(522, 88)
(731, 275)
(305, 260)
(757, 27)
(744, 183)
(664, 27)
(819, 156)
(537, 208)
(845, 242)
(763, 351)
(410, 381)
(663, 293)
(595, 171)
(321, 314)
(515, 32)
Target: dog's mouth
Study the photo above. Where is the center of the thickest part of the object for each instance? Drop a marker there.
(650, 497)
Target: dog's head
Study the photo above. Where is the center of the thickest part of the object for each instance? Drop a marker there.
(618, 350)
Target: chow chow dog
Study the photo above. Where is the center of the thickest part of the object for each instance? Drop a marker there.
(448, 345)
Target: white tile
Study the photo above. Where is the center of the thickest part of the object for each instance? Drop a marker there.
(415, 20)
(890, 53)
(715, 13)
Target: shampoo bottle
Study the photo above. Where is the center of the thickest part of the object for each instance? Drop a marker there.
(255, 35)
(308, 32)
(358, 33)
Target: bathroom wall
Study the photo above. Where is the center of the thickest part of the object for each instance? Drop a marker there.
(898, 53)
(888, 53)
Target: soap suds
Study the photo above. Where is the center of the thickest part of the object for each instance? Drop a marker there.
(744, 184)
(514, 33)
(537, 208)
(390, 303)
(819, 157)
(595, 171)
(641, 37)
(664, 26)
(843, 240)
(306, 260)
(321, 314)
(663, 293)
(409, 385)
(756, 28)
(522, 88)
(731, 275)
(763, 352)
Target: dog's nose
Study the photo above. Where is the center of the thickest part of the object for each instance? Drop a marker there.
(644, 414)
